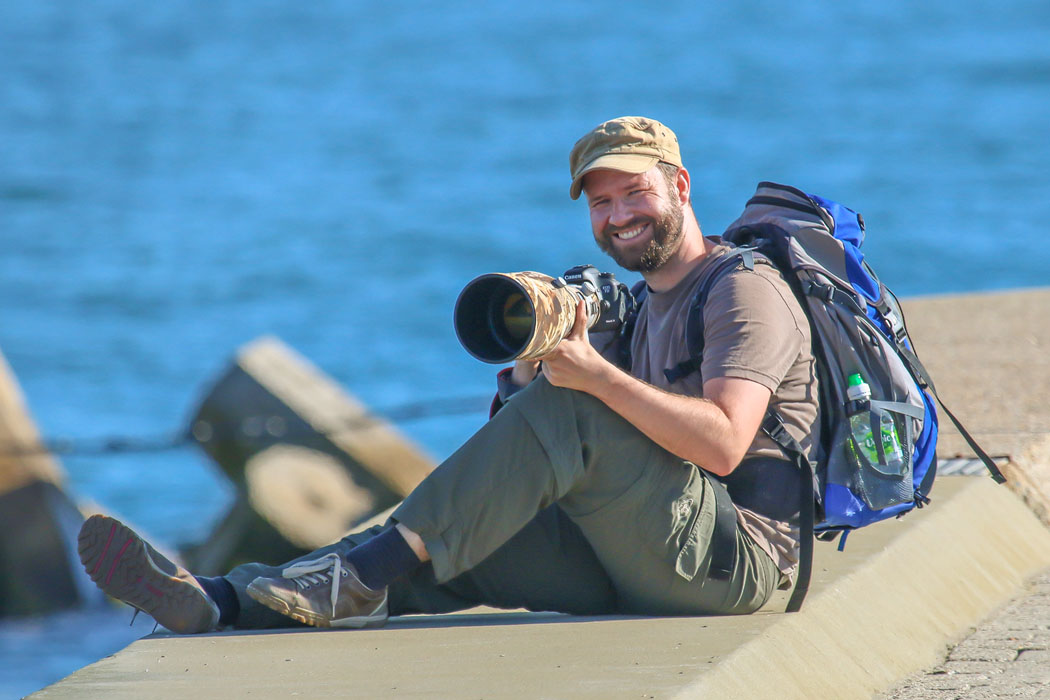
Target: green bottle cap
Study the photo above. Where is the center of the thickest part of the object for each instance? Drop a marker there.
(855, 380)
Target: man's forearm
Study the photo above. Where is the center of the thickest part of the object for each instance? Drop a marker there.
(694, 429)
(713, 433)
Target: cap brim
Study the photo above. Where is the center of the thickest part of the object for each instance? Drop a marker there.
(624, 162)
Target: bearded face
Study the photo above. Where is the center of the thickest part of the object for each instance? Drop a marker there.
(666, 227)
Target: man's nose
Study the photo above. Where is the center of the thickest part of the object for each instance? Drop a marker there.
(620, 214)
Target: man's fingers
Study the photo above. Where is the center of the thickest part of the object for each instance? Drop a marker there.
(579, 327)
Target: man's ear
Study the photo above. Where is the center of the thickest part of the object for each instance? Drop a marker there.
(682, 185)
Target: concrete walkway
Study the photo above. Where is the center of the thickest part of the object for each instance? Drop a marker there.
(1007, 656)
(997, 357)
(888, 606)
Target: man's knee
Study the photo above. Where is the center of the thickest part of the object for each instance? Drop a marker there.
(541, 402)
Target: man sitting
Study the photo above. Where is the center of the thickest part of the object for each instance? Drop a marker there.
(593, 489)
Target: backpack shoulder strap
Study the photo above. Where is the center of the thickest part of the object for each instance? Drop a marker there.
(639, 291)
(741, 257)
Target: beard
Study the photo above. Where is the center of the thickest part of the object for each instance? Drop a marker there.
(667, 238)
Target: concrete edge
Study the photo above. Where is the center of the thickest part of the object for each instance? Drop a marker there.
(1028, 475)
(921, 593)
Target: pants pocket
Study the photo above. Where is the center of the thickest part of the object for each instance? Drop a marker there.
(680, 517)
(694, 523)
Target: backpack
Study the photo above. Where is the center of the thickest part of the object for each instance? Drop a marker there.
(857, 328)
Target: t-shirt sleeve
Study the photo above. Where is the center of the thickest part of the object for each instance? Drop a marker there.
(750, 331)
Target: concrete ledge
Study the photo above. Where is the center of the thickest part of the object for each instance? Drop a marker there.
(884, 607)
(893, 614)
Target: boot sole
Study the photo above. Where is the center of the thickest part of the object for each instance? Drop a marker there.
(117, 560)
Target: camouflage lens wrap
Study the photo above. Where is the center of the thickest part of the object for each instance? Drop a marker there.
(501, 317)
(554, 310)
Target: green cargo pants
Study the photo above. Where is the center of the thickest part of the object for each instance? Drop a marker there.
(559, 504)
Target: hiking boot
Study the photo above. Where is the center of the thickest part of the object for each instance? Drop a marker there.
(127, 568)
(325, 592)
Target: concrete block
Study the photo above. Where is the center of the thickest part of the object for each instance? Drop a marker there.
(308, 459)
(38, 570)
(22, 459)
(37, 519)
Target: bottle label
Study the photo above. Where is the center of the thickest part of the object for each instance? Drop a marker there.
(885, 482)
(862, 437)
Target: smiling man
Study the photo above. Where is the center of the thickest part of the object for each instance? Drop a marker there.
(594, 488)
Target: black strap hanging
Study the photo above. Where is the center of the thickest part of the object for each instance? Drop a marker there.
(773, 426)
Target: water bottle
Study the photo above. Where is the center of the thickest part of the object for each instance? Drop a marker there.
(859, 411)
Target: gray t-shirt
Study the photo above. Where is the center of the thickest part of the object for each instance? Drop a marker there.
(753, 329)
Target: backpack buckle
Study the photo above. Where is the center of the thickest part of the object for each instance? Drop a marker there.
(894, 322)
(824, 292)
(773, 426)
(892, 319)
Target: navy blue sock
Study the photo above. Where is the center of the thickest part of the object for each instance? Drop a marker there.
(221, 591)
(382, 559)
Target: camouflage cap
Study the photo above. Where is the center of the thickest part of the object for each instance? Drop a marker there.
(628, 144)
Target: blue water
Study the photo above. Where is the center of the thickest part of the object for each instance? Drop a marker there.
(179, 178)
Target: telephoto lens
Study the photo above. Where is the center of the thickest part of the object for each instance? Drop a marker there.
(502, 317)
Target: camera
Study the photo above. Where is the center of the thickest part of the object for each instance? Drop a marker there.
(502, 317)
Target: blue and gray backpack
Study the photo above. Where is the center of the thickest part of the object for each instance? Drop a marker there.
(858, 329)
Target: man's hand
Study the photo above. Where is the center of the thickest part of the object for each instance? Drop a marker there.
(574, 363)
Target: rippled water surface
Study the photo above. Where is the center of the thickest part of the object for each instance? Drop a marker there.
(179, 178)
